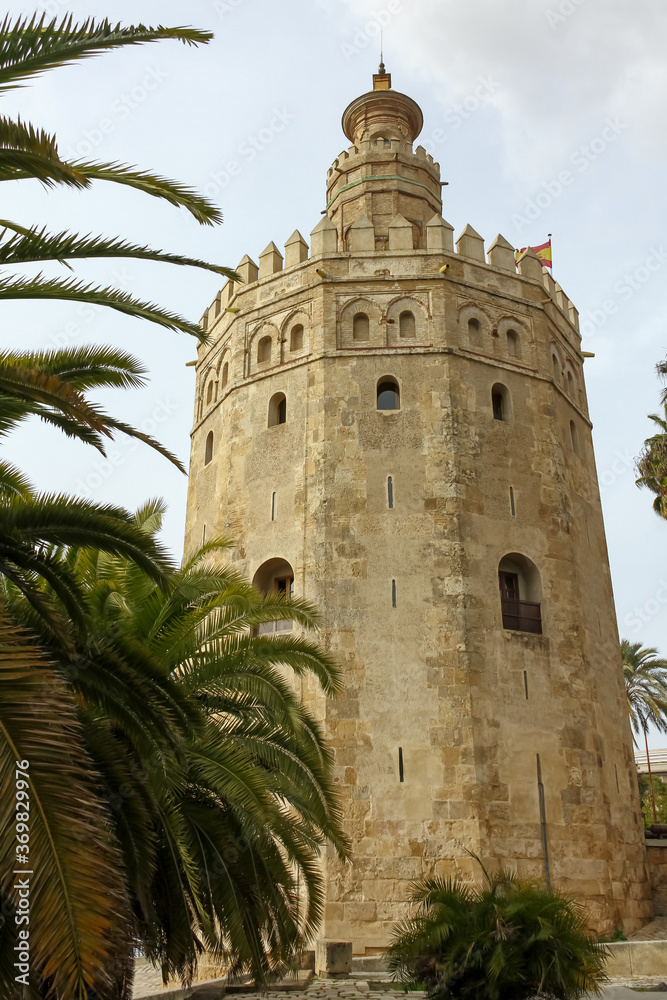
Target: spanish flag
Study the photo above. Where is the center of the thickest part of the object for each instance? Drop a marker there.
(543, 252)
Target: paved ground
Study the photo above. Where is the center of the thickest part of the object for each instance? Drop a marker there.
(378, 989)
(655, 931)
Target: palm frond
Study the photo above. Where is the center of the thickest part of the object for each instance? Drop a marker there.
(87, 917)
(179, 195)
(40, 245)
(30, 46)
(33, 152)
(72, 290)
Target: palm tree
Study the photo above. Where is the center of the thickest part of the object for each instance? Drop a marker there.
(652, 462)
(508, 939)
(219, 778)
(28, 48)
(646, 692)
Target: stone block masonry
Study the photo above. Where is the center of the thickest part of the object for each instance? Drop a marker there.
(400, 433)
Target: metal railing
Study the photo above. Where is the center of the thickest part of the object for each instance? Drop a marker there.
(522, 616)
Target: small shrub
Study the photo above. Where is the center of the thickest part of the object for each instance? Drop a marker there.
(509, 939)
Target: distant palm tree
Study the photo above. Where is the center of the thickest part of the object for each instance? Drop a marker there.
(646, 692)
(652, 462)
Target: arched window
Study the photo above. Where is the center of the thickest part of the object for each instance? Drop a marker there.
(556, 367)
(296, 338)
(277, 409)
(520, 594)
(225, 374)
(574, 435)
(209, 392)
(264, 350)
(513, 344)
(360, 327)
(473, 332)
(570, 384)
(208, 451)
(501, 402)
(275, 577)
(406, 324)
(388, 394)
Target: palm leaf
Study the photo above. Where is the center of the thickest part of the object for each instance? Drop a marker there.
(29, 47)
(33, 152)
(77, 291)
(77, 897)
(39, 245)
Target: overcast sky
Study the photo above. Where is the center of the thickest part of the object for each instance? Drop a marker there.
(547, 116)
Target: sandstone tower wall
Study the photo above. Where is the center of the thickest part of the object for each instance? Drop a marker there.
(449, 702)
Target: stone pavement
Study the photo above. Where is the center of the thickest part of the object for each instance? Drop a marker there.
(381, 988)
(353, 988)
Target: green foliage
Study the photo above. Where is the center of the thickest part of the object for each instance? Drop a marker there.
(645, 686)
(217, 778)
(508, 939)
(29, 47)
(660, 793)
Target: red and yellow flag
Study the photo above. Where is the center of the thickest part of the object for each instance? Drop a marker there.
(543, 252)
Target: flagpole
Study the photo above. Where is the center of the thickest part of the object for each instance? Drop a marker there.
(552, 253)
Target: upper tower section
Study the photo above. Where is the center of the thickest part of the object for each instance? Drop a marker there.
(380, 177)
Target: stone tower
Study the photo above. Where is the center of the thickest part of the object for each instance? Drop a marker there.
(397, 430)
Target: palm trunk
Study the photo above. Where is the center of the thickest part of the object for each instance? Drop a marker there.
(650, 778)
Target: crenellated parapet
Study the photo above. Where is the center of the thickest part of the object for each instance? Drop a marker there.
(468, 258)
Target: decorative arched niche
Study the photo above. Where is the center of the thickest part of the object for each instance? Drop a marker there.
(520, 593)
(264, 348)
(475, 329)
(407, 322)
(359, 324)
(275, 578)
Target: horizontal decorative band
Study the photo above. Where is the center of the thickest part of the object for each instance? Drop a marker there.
(380, 177)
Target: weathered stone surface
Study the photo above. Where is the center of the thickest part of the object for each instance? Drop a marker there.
(333, 958)
(469, 702)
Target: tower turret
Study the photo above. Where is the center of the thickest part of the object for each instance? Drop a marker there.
(380, 177)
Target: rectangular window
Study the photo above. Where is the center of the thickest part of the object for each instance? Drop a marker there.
(274, 507)
(393, 593)
(525, 683)
(512, 507)
(285, 585)
(509, 586)
(390, 492)
(518, 615)
(203, 536)
(401, 776)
